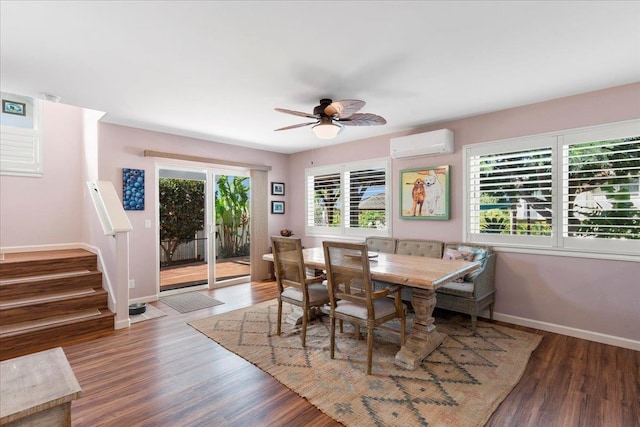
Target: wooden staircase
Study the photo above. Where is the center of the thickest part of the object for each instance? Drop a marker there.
(50, 299)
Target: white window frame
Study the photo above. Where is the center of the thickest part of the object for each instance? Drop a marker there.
(557, 243)
(343, 169)
(21, 148)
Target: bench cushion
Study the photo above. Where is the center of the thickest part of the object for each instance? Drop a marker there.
(464, 289)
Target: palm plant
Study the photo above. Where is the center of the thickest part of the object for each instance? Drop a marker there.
(232, 216)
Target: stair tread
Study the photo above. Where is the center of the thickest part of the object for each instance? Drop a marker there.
(49, 321)
(49, 297)
(14, 257)
(29, 279)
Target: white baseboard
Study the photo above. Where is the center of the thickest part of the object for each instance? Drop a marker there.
(122, 324)
(571, 332)
(149, 298)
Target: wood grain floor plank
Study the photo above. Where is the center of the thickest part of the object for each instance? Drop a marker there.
(162, 372)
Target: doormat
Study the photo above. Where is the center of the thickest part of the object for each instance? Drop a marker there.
(189, 301)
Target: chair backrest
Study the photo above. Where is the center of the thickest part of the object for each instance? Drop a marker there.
(420, 247)
(381, 244)
(348, 274)
(288, 262)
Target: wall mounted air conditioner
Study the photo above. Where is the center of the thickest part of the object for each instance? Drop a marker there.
(422, 144)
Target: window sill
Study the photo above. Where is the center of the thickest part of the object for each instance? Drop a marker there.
(565, 253)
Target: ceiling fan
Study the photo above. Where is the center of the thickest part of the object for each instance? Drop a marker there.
(331, 116)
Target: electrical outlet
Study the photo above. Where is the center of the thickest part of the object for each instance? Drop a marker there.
(132, 283)
(147, 223)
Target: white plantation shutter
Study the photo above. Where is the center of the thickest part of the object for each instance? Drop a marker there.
(601, 189)
(577, 189)
(335, 196)
(323, 196)
(356, 185)
(511, 191)
(20, 139)
(20, 152)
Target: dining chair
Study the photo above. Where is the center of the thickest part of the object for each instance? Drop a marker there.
(294, 287)
(353, 299)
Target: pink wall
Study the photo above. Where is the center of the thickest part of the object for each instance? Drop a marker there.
(48, 210)
(586, 294)
(123, 147)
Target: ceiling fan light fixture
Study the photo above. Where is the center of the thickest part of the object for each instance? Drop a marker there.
(326, 130)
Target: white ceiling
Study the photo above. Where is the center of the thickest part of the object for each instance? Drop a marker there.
(215, 69)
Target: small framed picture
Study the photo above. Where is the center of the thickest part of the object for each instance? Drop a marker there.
(277, 188)
(277, 207)
(17, 108)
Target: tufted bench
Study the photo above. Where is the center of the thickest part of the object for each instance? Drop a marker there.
(472, 294)
(476, 291)
(418, 247)
(381, 244)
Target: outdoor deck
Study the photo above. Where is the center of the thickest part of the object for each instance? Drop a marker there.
(192, 274)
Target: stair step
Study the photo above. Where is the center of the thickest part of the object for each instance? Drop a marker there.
(42, 277)
(12, 329)
(35, 337)
(42, 298)
(24, 287)
(48, 307)
(25, 264)
(50, 299)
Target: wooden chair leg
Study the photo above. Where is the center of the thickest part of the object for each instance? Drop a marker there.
(369, 349)
(332, 334)
(474, 322)
(279, 322)
(403, 331)
(491, 311)
(305, 319)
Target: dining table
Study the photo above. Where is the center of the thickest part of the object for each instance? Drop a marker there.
(424, 275)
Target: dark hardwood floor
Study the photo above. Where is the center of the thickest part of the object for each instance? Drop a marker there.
(162, 372)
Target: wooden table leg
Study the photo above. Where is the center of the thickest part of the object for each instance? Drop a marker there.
(423, 338)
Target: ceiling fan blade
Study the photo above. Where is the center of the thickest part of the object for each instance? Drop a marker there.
(343, 109)
(362, 119)
(297, 126)
(296, 113)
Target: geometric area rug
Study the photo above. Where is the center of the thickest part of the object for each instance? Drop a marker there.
(461, 383)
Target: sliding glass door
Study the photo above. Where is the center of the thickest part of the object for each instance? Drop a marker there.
(203, 218)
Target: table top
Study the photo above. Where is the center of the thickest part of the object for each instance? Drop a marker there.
(34, 383)
(414, 271)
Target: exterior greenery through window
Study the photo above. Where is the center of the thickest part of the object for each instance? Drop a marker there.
(181, 205)
(182, 214)
(232, 216)
(348, 199)
(576, 190)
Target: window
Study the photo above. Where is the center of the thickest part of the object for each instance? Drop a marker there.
(349, 199)
(578, 190)
(20, 140)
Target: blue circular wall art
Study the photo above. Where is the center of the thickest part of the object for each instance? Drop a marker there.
(133, 189)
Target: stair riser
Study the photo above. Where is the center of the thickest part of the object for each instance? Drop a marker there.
(8, 292)
(56, 336)
(43, 310)
(36, 324)
(14, 270)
